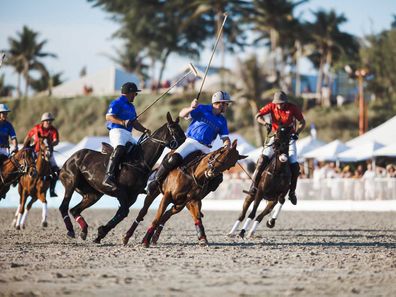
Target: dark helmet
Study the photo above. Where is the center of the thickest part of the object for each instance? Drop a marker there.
(129, 87)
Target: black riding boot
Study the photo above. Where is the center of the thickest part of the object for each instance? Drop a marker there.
(115, 157)
(54, 179)
(295, 172)
(262, 163)
(166, 166)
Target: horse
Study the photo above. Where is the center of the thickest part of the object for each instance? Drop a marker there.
(84, 171)
(273, 186)
(188, 187)
(35, 186)
(13, 167)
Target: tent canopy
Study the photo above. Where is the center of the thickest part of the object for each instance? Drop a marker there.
(387, 151)
(327, 152)
(360, 153)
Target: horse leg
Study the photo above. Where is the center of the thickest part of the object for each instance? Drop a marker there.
(271, 222)
(195, 210)
(64, 210)
(250, 217)
(44, 213)
(269, 207)
(88, 200)
(121, 214)
(166, 199)
(142, 213)
(21, 209)
(164, 218)
(248, 200)
(27, 209)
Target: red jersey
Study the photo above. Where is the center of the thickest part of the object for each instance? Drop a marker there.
(284, 116)
(51, 133)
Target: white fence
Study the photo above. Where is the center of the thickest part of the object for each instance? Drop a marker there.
(325, 189)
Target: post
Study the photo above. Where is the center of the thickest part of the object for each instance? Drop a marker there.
(361, 106)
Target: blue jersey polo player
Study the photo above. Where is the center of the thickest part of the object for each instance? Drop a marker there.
(121, 119)
(207, 121)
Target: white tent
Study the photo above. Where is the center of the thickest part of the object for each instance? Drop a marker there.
(360, 153)
(88, 142)
(106, 82)
(384, 134)
(243, 146)
(327, 152)
(60, 150)
(387, 151)
(307, 144)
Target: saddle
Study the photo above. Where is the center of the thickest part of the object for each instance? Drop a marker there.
(107, 149)
(191, 160)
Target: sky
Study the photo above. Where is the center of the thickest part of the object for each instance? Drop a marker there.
(81, 35)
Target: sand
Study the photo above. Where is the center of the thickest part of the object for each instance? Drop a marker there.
(306, 254)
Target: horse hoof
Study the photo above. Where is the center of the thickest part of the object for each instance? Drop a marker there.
(71, 234)
(83, 235)
(97, 240)
(271, 223)
(18, 227)
(242, 233)
(44, 224)
(146, 243)
(203, 242)
(125, 240)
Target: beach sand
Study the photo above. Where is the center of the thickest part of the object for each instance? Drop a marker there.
(306, 254)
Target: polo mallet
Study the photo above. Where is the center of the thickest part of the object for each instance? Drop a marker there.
(213, 51)
(192, 70)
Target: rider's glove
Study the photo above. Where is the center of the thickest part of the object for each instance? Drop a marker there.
(294, 136)
(147, 131)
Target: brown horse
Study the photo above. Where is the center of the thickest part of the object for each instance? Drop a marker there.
(12, 168)
(273, 186)
(84, 172)
(184, 188)
(35, 186)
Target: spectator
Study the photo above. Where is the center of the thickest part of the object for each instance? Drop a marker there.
(359, 172)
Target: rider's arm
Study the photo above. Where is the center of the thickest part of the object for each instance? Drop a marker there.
(14, 143)
(260, 119)
(185, 112)
(114, 119)
(138, 126)
(226, 141)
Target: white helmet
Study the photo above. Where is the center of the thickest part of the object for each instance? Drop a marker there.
(4, 108)
(47, 116)
(221, 96)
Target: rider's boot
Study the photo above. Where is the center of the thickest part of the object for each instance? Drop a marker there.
(295, 172)
(262, 163)
(166, 166)
(53, 180)
(115, 157)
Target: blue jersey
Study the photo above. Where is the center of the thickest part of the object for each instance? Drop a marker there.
(205, 125)
(6, 131)
(122, 109)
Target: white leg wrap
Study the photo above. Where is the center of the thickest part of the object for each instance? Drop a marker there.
(44, 213)
(253, 229)
(18, 220)
(24, 217)
(277, 211)
(247, 223)
(235, 227)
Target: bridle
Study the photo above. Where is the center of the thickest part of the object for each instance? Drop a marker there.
(21, 169)
(213, 170)
(173, 143)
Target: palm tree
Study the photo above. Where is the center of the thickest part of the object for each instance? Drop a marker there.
(330, 43)
(46, 82)
(273, 20)
(5, 90)
(25, 53)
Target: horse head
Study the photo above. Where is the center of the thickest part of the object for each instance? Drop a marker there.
(46, 147)
(222, 160)
(170, 134)
(281, 143)
(24, 161)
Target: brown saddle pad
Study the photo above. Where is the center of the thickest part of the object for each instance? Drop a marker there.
(192, 159)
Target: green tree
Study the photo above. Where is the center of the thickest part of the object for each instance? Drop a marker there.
(329, 43)
(25, 55)
(5, 90)
(46, 82)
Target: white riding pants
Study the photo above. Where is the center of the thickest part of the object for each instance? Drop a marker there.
(191, 145)
(120, 136)
(269, 151)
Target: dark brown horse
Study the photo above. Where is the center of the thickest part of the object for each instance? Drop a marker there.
(84, 171)
(12, 168)
(187, 188)
(35, 186)
(273, 186)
